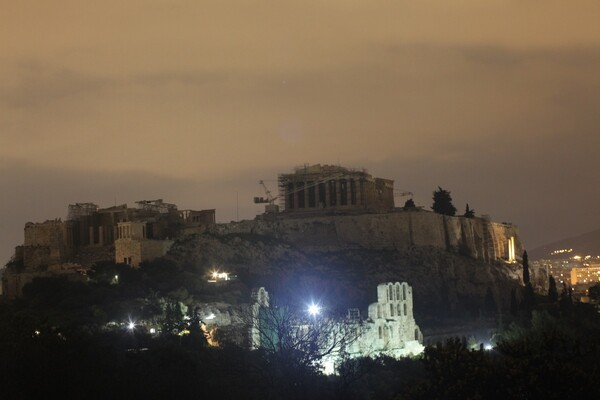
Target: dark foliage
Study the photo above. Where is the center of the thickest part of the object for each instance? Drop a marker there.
(552, 291)
(53, 344)
(469, 213)
(442, 202)
(594, 292)
(526, 277)
(409, 203)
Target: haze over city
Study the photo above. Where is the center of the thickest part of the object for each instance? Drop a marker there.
(195, 102)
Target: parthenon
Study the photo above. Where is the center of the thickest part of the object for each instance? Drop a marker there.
(330, 187)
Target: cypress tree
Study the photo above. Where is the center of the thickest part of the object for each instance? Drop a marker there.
(469, 212)
(528, 301)
(552, 291)
(442, 202)
(526, 278)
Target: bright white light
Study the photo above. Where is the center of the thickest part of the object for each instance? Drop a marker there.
(488, 347)
(211, 316)
(152, 330)
(131, 325)
(314, 309)
(216, 275)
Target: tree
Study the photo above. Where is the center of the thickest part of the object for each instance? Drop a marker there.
(594, 292)
(294, 345)
(469, 213)
(196, 337)
(410, 203)
(173, 318)
(442, 202)
(566, 298)
(552, 291)
(528, 301)
(526, 277)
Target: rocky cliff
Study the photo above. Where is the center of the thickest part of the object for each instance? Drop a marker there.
(451, 262)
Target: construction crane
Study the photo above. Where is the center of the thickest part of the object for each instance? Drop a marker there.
(269, 199)
(402, 194)
(271, 207)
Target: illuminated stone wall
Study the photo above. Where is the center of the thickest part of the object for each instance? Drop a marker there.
(477, 238)
(390, 328)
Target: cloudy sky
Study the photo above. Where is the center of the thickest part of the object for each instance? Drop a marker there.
(196, 101)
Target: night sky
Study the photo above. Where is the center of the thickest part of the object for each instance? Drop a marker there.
(196, 101)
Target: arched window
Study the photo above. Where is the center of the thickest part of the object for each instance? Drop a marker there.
(390, 289)
(405, 309)
(391, 310)
(380, 333)
(404, 292)
(416, 334)
(378, 311)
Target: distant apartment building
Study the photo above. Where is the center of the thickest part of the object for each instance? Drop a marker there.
(560, 270)
(585, 275)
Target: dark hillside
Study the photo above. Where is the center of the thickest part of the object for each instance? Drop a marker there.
(445, 284)
(585, 244)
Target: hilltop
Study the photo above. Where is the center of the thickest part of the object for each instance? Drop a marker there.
(584, 244)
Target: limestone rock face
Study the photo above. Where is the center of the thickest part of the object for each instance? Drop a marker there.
(449, 261)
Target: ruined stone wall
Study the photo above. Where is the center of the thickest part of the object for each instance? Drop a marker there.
(128, 251)
(49, 233)
(473, 237)
(45, 243)
(133, 252)
(13, 282)
(35, 257)
(152, 249)
(89, 255)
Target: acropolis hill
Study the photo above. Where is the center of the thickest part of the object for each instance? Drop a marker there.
(328, 220)
(334, 208)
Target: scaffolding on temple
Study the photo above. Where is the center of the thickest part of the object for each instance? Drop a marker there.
(79, 210)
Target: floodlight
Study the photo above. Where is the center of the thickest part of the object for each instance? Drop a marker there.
(314, 309)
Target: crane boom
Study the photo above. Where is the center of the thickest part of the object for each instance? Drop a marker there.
(269, 199)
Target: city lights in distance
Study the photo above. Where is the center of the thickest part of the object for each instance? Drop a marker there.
(561, 251)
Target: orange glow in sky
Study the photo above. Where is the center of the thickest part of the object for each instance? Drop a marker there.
(196, 101)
